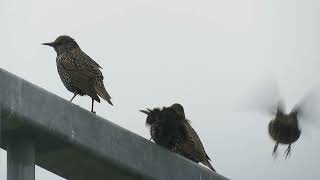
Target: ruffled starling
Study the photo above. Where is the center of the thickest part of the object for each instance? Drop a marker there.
(170, 129)
(79, 73)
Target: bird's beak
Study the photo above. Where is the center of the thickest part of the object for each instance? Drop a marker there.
(49, 44)
(145, 112)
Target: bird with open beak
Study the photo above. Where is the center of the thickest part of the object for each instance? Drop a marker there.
(170, 129)
(79, 73)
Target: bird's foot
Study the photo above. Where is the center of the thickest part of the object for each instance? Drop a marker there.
(274, 153)
(288, 151)
(73, 97)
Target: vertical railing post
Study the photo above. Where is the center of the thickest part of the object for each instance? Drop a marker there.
(0, 124)
(20, 158)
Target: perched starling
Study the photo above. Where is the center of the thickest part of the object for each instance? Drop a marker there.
(79, 73)
(284, 128)
(170, 129)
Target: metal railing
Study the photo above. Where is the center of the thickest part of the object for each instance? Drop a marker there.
(38, 127)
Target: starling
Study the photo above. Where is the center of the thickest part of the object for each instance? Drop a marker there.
(284, 128)
(78, 72)
(169, 128)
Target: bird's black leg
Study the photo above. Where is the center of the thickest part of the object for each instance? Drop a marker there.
(75, 94)
(151, 138)
(288, 151)
(274, 153)
(92, 106)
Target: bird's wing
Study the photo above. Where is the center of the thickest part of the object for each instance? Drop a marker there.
(263, 98)
(188, 150)
(189, 147)
(82, 73)
(199, 149)
(199, 146)
(308, 107)
(85, 64)
(79, 54)
(91, 67)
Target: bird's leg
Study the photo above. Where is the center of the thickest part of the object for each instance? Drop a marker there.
(75, 94)
(274, 153)
(151, 137)
(288, 151)
(92, 106)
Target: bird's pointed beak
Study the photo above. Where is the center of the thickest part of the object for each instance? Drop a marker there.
(49, 44)
(145, 112)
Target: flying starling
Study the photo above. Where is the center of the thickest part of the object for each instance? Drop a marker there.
(284, 128)
(79, 73)
(170, 129)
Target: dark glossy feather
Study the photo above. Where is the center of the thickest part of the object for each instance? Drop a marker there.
(170, 129)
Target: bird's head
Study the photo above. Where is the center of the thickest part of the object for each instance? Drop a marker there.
(173, 123)
(63, 43)
(178, 108)
(172, 115)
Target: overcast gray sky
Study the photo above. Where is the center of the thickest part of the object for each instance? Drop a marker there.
(204, 54)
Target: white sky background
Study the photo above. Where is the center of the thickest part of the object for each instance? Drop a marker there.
(204, 54)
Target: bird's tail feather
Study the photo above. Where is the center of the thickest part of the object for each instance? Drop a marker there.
(207, 163)
(102, 92)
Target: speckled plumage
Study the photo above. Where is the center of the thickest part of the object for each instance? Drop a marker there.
(170, 129)
(79, 73)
